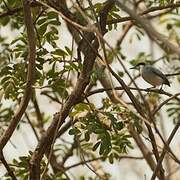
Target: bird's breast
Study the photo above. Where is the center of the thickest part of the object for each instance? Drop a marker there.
(152, 78)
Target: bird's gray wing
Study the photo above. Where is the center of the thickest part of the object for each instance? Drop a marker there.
(160, 74)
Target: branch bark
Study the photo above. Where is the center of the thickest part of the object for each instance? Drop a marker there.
(100, 90)
(164, 150)
(30, 75)
(9, 170)
(150, 30)
(13, 11)
(74, 98)
(137, 138)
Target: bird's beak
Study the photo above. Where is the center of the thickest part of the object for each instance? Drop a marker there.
(133, 67)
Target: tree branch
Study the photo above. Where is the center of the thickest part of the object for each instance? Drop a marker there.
(158, 8)
(144, 150)
(146, 12)
(156, 36)
(30, 75)
(99, 158)
(73, 99)
(164, 150)
(165, 102)
(17, 9)
(9, 170)
(100, 90)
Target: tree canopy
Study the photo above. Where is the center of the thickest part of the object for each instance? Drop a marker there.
(65, 80)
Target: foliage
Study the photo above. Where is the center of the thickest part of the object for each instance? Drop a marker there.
(174, 111)
(100, 126)
(111, 136)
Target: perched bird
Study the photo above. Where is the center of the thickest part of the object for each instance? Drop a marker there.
(152, 75)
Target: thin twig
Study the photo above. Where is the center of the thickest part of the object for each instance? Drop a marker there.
(156, 36)
(158, 8)
(164, 150)
(101, 90)
(146, 12)
(6, 165)
(13, 11)
(138, 140)
(173, 74)
(89, 28)
(32, 126)
(99, 158)
(38, 114)
(56, 130)
(165, 102)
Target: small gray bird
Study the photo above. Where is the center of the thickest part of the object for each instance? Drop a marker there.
(152, 75)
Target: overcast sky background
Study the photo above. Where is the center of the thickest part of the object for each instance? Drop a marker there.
(24, 139)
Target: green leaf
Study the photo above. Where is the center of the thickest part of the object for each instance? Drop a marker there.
(42, 20)
(99, 131)
(96, 146)
(6, 78)
(87, 136)
(43, 28)
(5, 20)
(102, 149)
(119, 125)
(54, 22)
(82, 107)
(68, 50)
(111, 158)
(121, 73)
(74, 131)
(59, 52)
(52, 15)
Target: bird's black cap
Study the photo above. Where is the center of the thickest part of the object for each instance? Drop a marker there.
(139, 64)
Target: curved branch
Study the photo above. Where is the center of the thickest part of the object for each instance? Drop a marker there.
(6, 165)
(158, 8)
(150, 30)
(74, 98)
(30, 75)
(146, 12)
(100, 158)
(173, 74)
(101, 90)
(13, 11)
(164, 102)
(164, 151)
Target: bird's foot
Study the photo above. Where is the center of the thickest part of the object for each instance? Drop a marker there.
(150, 89)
